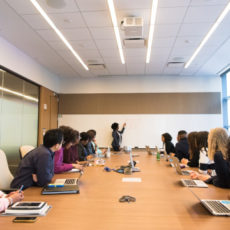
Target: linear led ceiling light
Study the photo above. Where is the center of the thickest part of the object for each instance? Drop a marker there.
(58, 32)
(116, 29)
(19, 94)
(208, 35)
(151, 29)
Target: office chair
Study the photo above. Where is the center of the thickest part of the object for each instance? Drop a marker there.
(5, 174)
(24, 149)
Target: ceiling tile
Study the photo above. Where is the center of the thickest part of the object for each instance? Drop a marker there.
(170, 15)
(174, 3)
(166, 30)
(163, 42)
(103, 33)
(92, 5)
(67, 20)
(135, 59)
(203, 14)
(112, 60)
(97, 19)
(106, 44)
(36, 21)
(194, 29)
(208, 2)
(89, 54)
(109, 53)
(22, 6)
(185, 42)
(126, 4)
(134, 68)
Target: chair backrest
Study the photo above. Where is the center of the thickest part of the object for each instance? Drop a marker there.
(24, 149)
(5, 174)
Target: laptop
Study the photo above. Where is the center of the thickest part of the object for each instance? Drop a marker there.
(194, 183)
(148, 150)
(215, 207)
(62, 186)
(176, 164)
(134, 169)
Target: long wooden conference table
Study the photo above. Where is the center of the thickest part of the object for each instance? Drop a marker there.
(161, 201)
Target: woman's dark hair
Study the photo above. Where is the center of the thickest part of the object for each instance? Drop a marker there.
(92, 133)
(52, 137)
(70, 135)
(167, 137)
(202, 140)
(84, 136)
(228, 150)
(114, 126)
(192, 144)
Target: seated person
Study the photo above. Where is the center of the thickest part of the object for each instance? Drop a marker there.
(82, 146)
(219, 151)
(194, 153)
(37, 167)
(90, 147)
(167, 143)
(71, 155)
(69, 138)
(117, 136)
(205, 164)
(182, 147)
(7, 200)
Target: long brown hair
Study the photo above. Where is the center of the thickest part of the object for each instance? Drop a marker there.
(217, 141)
(192, 144)
(202, 140)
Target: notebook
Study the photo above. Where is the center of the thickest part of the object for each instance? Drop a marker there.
(194, 183)
(34, 208)
(62, 186)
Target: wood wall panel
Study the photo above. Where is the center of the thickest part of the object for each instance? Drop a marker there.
(141, 103)
(48, 118)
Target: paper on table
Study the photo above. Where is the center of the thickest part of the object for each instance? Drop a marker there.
(131, 179)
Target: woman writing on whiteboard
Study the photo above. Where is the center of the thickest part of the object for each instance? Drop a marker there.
(117, 136)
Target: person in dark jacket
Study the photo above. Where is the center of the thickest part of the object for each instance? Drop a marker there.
(182, 146)
(219, 151)
(82, 146)
(117, 136)
(167, 143)
(37, 167)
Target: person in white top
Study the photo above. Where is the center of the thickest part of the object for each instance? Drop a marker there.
(8, 199)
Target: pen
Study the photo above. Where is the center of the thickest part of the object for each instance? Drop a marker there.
(20, 190)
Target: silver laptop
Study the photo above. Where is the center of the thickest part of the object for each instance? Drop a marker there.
(178, 168)
(217, 207)
(194, 183)
(134, 169)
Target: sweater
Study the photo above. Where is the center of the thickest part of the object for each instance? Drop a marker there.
(59, 166)
(222, 167)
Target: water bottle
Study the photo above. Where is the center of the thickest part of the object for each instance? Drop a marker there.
(108, 153)
(158, 154)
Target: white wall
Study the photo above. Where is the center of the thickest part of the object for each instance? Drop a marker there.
(142, 129)
(142, 84)
(17, 61)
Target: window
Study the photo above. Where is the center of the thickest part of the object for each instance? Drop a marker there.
(226, 99)
(18, 115)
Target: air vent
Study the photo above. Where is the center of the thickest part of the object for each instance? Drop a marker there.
(96, 66)
(175, 64)
(134, 43)
(133, 26)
